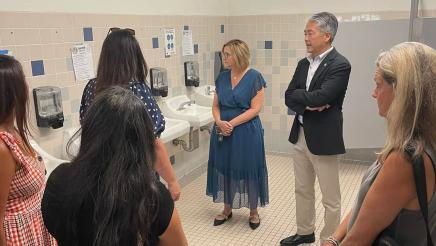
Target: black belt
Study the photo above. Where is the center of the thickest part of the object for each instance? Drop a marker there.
(301, 124)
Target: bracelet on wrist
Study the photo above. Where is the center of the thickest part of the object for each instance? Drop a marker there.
(333, 240)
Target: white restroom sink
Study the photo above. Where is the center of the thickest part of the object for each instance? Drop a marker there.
(203, 95)
(173, 129)
(74, 147)
(50, 161)
(195, 114)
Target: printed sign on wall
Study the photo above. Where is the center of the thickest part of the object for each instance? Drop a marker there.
(82, 62)
(170, 41)
(187, 46)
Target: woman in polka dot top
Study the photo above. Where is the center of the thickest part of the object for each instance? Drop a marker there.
(122, 63)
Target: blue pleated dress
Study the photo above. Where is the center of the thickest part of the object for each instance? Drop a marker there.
(237, 174)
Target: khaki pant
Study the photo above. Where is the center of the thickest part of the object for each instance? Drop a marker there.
(325, 167)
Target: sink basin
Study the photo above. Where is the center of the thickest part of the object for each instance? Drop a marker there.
(173, 129)
(74, 147)
(195, 114)
(203, 95)
(50, 161)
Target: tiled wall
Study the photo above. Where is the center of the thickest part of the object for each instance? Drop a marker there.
(276, 43)
(42, 42)
(428, 13)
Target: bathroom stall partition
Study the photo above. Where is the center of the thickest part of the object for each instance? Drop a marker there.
(360, 43)
(427, 31)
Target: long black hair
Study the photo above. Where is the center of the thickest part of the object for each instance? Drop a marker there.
(115, 163)
(121, 61)
(14, 96)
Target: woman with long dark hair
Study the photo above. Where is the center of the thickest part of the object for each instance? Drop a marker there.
(108, 194)
(22, 172)
(122, 63)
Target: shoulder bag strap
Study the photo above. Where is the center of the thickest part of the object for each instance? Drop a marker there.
(421, 189)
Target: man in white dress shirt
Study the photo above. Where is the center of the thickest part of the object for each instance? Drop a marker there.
(316, 94)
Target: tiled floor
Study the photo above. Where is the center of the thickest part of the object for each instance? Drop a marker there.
(277, 219)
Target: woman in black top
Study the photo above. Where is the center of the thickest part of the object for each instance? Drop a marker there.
(108, 194)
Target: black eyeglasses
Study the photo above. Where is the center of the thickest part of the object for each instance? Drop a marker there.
(114, 29)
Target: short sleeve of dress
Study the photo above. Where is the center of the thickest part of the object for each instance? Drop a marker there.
(164, 213)
(87, 96)
(258, 83)
(142, 91)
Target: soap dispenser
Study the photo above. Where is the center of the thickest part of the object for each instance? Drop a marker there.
(159, 81)
(191, 74)
(48, 106)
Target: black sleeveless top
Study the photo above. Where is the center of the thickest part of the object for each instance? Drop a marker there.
(55, 209)
(408, 228)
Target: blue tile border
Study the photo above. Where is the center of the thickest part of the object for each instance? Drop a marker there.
(268, 45)
(155, 42)
(37, 67)
(87, 34)
(222, 29)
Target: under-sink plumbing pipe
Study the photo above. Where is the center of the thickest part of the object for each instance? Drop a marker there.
(186, 147)
(206, 128)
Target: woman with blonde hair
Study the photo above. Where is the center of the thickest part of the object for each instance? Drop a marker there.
(237, 173)
(388, 203)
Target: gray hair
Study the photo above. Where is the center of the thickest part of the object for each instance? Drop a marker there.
(326, 22)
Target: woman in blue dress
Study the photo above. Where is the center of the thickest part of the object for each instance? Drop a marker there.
(122, 63)
(237, 174)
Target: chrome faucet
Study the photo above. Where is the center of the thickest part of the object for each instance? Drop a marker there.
(209, 91)
(182, 105)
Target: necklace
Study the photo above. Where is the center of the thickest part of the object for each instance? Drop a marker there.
(235, 77)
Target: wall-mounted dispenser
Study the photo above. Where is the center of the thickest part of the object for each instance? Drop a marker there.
(159, 81)
(191, 74)
(48, 106)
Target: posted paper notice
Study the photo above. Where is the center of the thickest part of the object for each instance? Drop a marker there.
(187, 46)
(82, 62)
